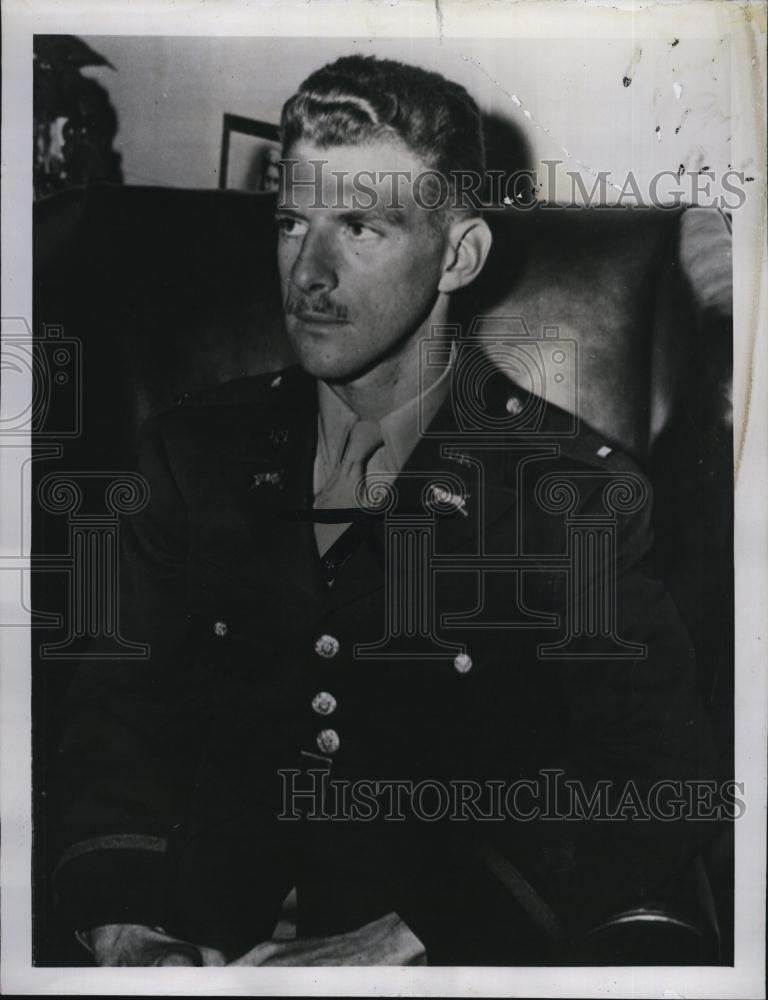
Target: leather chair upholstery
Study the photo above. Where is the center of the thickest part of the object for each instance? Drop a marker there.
(170, 291)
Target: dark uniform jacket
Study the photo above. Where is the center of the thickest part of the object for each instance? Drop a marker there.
(496, 632)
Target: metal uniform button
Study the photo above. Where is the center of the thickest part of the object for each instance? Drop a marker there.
(328, 740)
(463, 663)
(327, 646)
(220, 629)
(324, 703)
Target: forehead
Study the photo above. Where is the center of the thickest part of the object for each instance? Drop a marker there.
(385, 169)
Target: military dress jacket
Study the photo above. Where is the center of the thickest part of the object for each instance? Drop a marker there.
(490, 624)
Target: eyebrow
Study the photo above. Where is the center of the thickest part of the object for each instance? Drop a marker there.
(288, 211)
(392, 216)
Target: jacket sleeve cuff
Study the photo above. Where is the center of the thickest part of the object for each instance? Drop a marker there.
(113, 880)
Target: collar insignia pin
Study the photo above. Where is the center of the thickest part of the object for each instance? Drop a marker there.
(266, 479)
(459, 457)
(443, 496)
(278, 435)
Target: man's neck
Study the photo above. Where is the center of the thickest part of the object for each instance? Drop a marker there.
(393, 383)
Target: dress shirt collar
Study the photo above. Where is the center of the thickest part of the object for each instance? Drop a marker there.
(399, 429)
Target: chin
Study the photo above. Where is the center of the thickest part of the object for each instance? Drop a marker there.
(323, 362)
(325, 365)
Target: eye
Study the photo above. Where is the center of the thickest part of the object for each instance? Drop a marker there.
(289, 226)
(359, 231)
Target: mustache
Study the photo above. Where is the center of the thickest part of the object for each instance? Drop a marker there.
(321, 303)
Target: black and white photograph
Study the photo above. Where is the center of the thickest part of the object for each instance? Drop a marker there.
(384, 544)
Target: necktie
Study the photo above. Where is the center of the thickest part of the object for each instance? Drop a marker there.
(339, 492)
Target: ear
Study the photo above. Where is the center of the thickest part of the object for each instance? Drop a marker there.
(469, 242)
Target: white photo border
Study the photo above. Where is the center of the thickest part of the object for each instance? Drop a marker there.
(744, 22)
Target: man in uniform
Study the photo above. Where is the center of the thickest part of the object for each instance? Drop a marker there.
(363, 573)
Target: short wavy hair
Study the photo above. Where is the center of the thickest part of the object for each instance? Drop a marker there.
(358, 99)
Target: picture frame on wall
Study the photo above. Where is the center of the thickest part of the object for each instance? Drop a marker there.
(250, 150)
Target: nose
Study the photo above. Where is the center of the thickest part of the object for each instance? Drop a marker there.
(314, 268)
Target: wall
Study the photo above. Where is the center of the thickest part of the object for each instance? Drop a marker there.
(609, 105)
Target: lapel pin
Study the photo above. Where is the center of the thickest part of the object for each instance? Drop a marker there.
(266, 479)
(442, 496)
(459, 457)
(278, 435)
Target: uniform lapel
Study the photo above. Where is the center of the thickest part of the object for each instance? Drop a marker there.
(285, 539)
